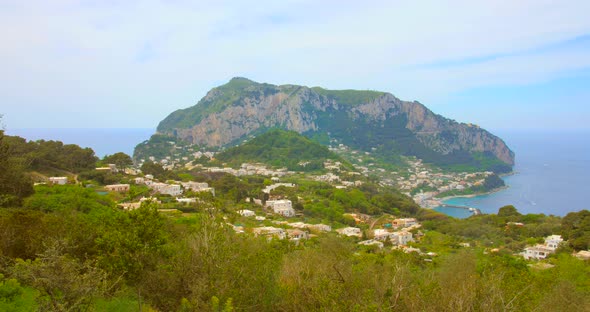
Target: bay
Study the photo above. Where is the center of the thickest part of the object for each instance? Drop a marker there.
(552, 171)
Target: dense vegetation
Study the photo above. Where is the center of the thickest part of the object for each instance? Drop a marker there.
(69, 248)
(20, 161)
(280, 148)
(160, 146)
(389, 139)
(106, 259)
(349, 97)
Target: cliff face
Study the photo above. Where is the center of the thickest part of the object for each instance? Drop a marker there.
(362, 119)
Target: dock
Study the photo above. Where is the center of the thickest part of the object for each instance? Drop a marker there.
(474, 210)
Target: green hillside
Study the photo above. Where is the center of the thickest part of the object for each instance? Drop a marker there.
(280, 148)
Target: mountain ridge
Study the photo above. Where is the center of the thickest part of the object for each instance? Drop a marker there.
(367, 120)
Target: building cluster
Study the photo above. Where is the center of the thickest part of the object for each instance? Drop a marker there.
(541, 251)
(250, 169)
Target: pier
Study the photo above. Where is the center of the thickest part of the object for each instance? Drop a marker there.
(474, 210)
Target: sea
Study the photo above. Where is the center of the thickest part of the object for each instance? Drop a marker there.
(102, 141)
(551, 174)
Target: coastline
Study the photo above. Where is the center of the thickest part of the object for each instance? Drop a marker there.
(505, 187)
(441, 200)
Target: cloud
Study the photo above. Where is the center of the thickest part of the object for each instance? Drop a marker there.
(136, 61)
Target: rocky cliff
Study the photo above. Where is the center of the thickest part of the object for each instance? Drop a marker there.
(367, 120)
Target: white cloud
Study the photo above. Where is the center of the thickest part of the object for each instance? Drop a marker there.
(148, 58)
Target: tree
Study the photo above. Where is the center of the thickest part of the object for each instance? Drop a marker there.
(120, 159)
(576, 229)
(14, 183)
(508, 211)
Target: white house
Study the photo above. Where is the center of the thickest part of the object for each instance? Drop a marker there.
(553, 241)
(296, 234)
(270, 232)
(372, 242)
(246, 213)
(381, 235)
(401, 238)
(537, 252)
(198, 187)
(350, 231)
(542, 251)
(186, 200)
(282, 207)
(117, 187)
(170, 189)
(58, 180)
(405, 222)
(320, 227)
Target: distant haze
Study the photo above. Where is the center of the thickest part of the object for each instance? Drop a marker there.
(128, 64)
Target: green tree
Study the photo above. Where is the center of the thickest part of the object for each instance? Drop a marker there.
(15, 184)
(508, 211)
(120, 159)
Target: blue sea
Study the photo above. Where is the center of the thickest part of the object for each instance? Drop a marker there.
(552, 168)
(102, 141)
(552, 175)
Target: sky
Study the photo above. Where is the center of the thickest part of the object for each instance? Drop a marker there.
(128, 64)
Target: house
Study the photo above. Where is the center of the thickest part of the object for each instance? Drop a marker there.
(372, 242)
(553, 241)
(117, 188)
(186, 200)
(283, 207)
(246, 213)
(198, 187)
(401, 238)
(270, 232)
(404, 222)
(130, 206)
(537, 252)
(58, 180)
(112, 168)
(296, 234)
(381, 235)
(170, 189)
(350, 231)
(319, 227)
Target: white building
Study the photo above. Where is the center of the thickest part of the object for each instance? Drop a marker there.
(117, 187)
(58, 180)
(350, 231)
(246, 213)
(283, 207)
(553, 241)
(186, 200)
(537, 252)
(270, 232)
(296, 234)
(372, 242)
(405, 222)
(320, 227)
(198, 187)
(401, 238)
(170, 189)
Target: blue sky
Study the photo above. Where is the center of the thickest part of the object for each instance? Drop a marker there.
(128, 64)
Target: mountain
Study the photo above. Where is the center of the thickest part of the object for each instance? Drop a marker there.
(369, 121)
(280, 148)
